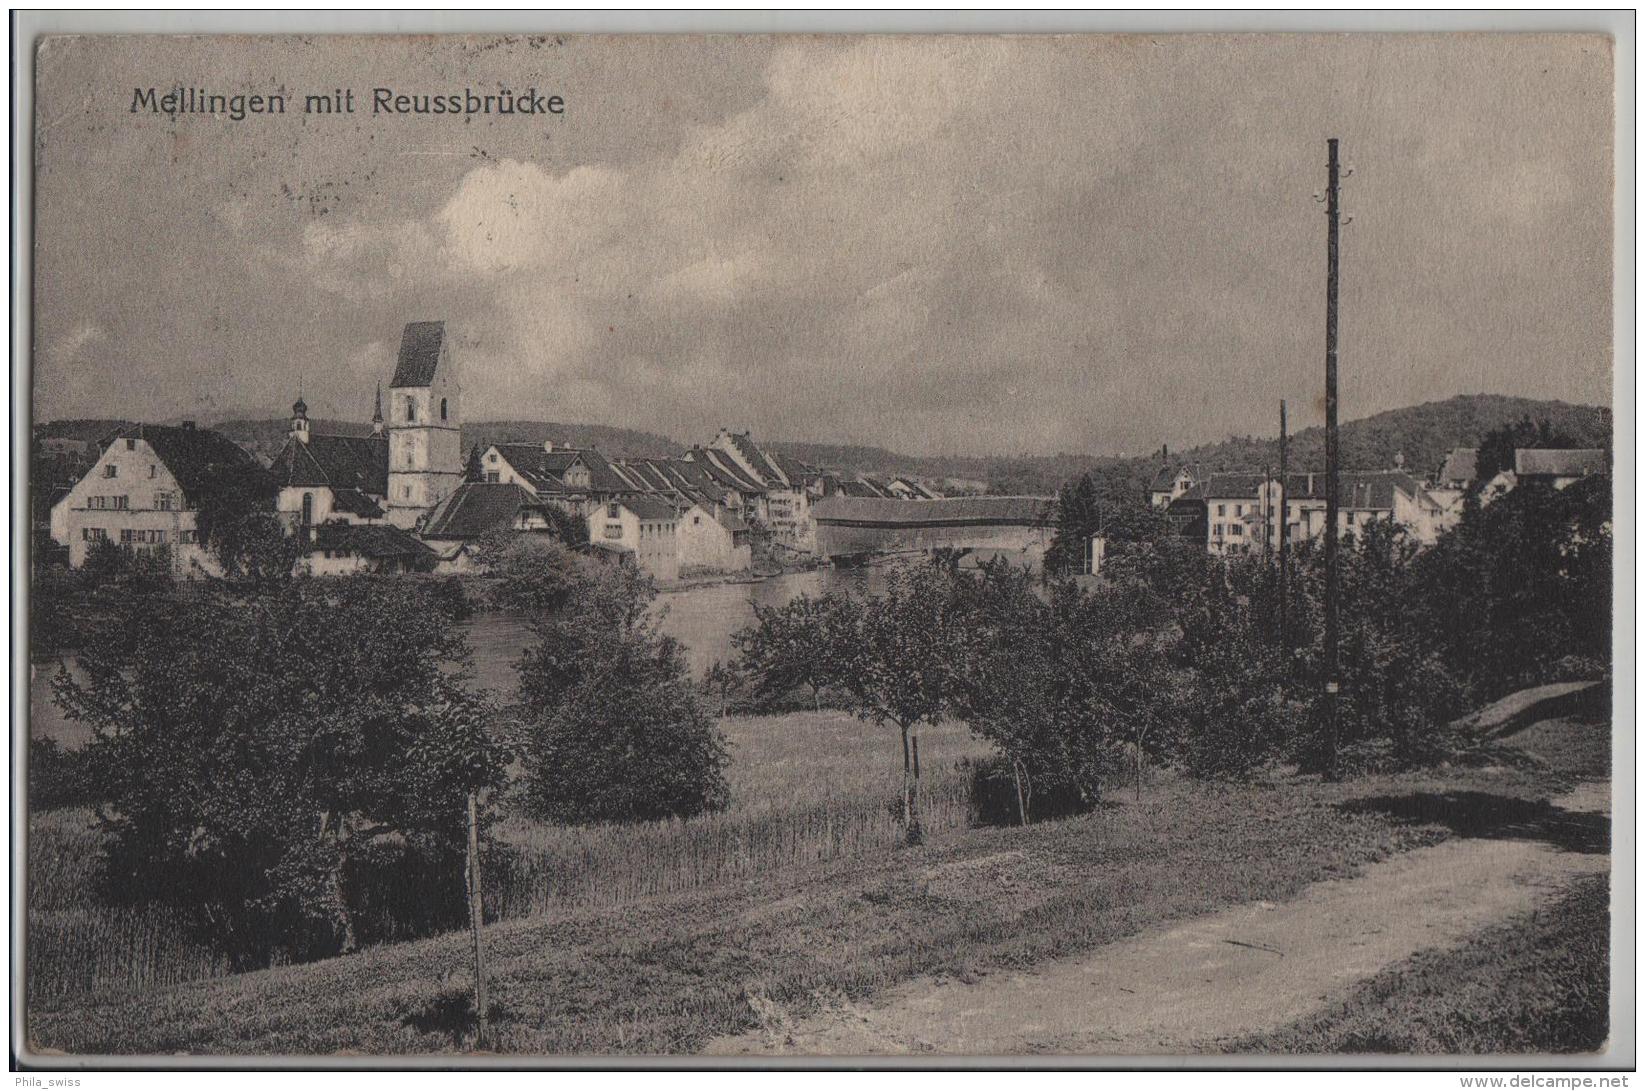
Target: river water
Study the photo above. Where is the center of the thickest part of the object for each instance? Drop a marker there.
(701, 618)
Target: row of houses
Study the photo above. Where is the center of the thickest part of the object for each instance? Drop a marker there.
(401, 498)
(1232, 513)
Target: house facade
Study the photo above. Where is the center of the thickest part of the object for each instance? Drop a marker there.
(642, 528)
(143, 493)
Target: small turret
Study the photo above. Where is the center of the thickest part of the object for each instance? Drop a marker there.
(377, 414)
(299, 420)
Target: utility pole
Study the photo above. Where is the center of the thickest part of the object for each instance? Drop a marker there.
(1284, 535)
(1333, 213)
(476, 915)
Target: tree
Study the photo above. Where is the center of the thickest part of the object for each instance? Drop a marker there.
(1079, 516)
(802, 642)
(269, 760)
(473, 472)
(526, 573)
(899, 668)
(612, 729)
(720, 681)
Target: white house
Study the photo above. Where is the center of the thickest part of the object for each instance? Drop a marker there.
(712, 539)
(144, 490)
(642, 528)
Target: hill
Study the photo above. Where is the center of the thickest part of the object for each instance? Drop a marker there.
(1424, 434)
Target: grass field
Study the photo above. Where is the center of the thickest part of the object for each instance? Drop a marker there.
(806, 788)
(655, 939)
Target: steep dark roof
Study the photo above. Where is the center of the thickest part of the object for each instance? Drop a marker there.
(763, 466)
(544, 470)
(1165, 478)
(795, 470)
(1460, 466)
(419, 353)
(1573, 462)
(375, 540)
(725, 470)
(335, 462)
(651, 510)
(198, 458)
(475, 508)
(355, 502)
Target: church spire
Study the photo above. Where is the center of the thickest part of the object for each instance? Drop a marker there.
(377, 415)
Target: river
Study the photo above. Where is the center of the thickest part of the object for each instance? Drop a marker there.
(702, 618)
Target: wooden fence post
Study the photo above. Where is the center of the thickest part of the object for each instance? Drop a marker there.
(476, 919)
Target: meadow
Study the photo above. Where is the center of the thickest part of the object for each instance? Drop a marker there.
(806, 788)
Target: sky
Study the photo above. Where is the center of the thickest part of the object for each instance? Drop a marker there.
(941, 245)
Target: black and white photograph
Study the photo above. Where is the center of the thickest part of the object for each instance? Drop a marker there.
(776, 550)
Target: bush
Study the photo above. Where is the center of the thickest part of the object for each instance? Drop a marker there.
(994, 799)
(613, 729)
(58, 777)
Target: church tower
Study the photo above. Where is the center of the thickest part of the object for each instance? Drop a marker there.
(425, 442)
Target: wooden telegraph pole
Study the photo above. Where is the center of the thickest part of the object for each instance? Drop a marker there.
(475, 919)
(1333, 212)
(1284, 535)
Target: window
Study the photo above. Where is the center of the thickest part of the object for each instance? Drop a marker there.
(92, 534)
(1236, 530)
(131, 445)
(411, 408)
(308, 508)
(151, 471)
(127, 536)
(1239, 509)
(442, 409)
(613, 511)
(695, 519)
(613, 530)
(491, 476)
(111, 470)
(1222, 509)
(164, 501)
(188, 537)
(492, 458)
(407, 491)
(121, 503)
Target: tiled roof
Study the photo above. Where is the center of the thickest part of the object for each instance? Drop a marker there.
(419, 354)
(793, 469)
(770, 474)
(543, 470)
(336, 462)
(197, 457)
(725, 470)
(1571, 462)
(961, 510)
(863, 487)
(375, 540)
(650, 509)
(355, 502)
(1460, 466)
(475, 508)
(602, 478)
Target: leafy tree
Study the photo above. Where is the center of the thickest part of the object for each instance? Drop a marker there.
(526, 573)
(899, 670)
(803, 642)
(720, 681)
(255, 752)
(473, 471)
(612, 729)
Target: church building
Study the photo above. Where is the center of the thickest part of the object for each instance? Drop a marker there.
(425, 444)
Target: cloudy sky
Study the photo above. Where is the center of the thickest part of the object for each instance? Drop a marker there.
(940, 245)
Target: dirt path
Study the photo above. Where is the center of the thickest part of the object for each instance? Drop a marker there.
(1247, 969)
